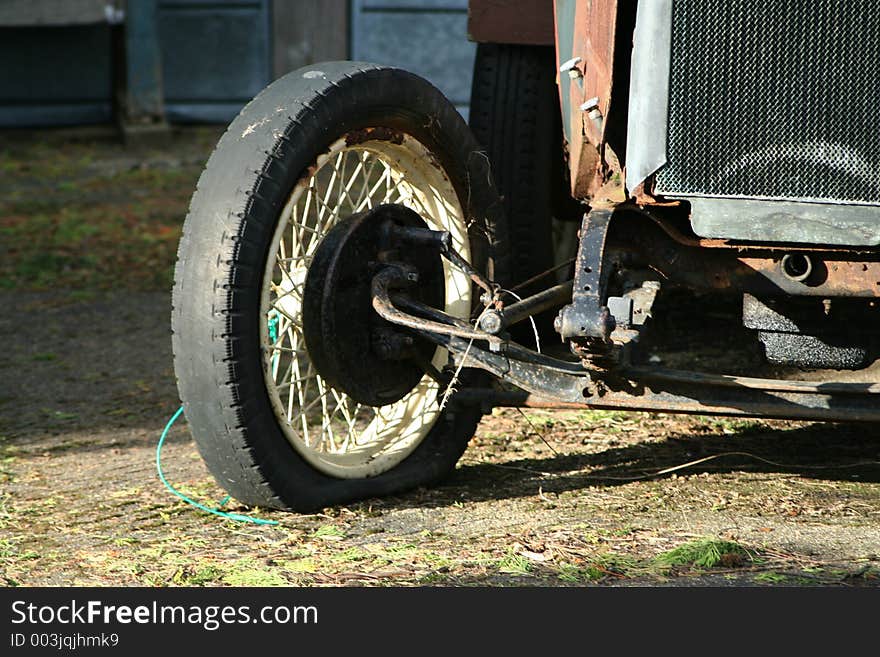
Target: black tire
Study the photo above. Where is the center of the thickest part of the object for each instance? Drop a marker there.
(221, 261)
(514, 114)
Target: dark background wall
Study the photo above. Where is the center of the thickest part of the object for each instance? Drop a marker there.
(63, 60)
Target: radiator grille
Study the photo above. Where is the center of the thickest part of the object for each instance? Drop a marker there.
(777, 99)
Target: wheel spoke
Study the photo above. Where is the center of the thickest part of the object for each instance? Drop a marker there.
(368, 193)
(296, 381)
(342, 404)
(348, 181)
(295, 289)
(326, 418)
(292, 321)
(346, 185)
(289, 350)
(307, 407)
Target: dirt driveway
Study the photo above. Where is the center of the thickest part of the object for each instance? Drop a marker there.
(87, 238)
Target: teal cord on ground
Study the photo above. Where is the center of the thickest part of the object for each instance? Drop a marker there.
(217, 512)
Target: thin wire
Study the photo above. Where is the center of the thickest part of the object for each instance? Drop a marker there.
(451, 387)
(651, 475)
(536, 432)
(858, 464)
(223, 514)
(531, 319)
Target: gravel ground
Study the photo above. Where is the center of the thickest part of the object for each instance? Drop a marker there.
(559, 498)
(87, 387)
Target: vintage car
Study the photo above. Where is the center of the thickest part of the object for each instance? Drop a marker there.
(362, 275)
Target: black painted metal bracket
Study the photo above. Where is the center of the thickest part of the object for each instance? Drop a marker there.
(587, 316)
(555, 383)
(550, 382)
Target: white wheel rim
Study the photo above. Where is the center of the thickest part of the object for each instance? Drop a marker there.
(333, 433)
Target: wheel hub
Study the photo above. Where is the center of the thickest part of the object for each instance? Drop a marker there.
(353, 349)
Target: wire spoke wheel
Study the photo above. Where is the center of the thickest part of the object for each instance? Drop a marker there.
(319, 147)
(334, 433)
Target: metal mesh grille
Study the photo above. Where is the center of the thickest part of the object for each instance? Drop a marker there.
(777, 99)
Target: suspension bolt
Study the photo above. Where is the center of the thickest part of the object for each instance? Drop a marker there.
(492, 322)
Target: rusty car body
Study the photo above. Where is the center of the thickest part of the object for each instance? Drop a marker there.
(792, 259)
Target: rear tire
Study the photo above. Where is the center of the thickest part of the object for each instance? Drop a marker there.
(229, 284)
(515, 115)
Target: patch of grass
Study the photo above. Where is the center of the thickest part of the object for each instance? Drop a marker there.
(618, 564)
(771, 578)
(248, 572)
(61, 415)
(730, 426)
(399, 549)
(353, 554)
(7, 549)
(7, 510)
(626, 530)
(438, 561)
(514, 564)
(81, 295)
(865, 573)
(567, 572)
(6, 474)
(121, 241)
(198, 576)
(299, 566)
(704, 553)
(542, 420)
(605, 417)
(11, 552)
(329, 533)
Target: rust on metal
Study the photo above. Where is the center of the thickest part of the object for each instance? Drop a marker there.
(526, 22)
(594, 37)
(588, 87)
(643, 195)
(585, 163)
(760, 275)
(831, 277)
(377, 133)
(642, 240)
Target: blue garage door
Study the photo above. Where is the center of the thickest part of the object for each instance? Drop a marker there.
(215, 56)
(427, 37)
